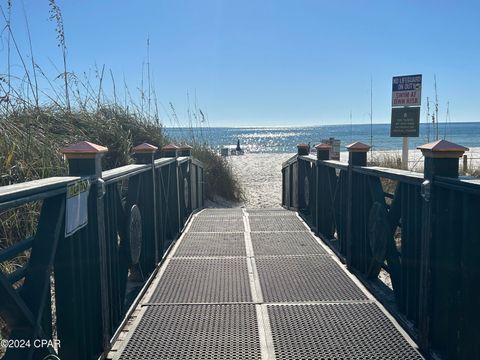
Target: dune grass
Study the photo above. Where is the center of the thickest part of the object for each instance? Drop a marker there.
(31, 141)
(36, 122)
(386, 160)
(221, 180)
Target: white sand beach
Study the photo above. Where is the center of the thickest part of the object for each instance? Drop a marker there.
(261, 180)
(260, 176)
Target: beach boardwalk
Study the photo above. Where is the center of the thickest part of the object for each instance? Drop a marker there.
(257, 284)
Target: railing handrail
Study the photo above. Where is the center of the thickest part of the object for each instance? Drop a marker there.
(309, 157)
(471, 186)
(122, 172)
(21, 193)
(182, 159)
(164, 161)
(406, 176)
(340, 165)
(198, 162)
(389, 173)
(290, 161)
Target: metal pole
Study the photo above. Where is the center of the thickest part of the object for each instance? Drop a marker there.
(405, 153)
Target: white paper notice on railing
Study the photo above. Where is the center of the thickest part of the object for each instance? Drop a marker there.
(76, 211)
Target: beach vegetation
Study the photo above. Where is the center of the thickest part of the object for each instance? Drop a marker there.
(475, 172)
(36, 122)
(387, 160)
(222, 182)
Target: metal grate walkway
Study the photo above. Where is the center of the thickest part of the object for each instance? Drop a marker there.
(256, 284)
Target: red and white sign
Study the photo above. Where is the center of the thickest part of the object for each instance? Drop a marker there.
(407, 90)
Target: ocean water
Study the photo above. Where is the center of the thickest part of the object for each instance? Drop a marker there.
(285, 139)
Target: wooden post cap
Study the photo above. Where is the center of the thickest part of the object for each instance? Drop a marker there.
(442, 149)
(170, 150)
(84, 150)
(185, 150)
(145, 148)
(323, 151)
(323, 146)
(185, 147)
(170, 147)
(303, 149)
(357, 146)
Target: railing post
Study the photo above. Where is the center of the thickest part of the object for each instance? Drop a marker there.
(186, 150)
(302, 150)
(172, 150)
(357, 156)
(441, 159)
(323, 151)
(203, 187)
(145, 154)
(82, 302)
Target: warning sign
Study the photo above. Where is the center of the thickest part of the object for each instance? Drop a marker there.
(407, 90)
(76, 211)
(405, 122)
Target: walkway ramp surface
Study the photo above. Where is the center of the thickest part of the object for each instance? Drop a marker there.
(257, 284)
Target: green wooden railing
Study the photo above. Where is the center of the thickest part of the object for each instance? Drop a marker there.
(84, 284)
(420, 230)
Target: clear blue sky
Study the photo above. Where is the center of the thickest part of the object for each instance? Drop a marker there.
(270, 62)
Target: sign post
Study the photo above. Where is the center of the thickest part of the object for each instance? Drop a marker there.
(406, 101)
(405, 153)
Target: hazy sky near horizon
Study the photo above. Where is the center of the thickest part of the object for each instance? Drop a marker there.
(269, 62)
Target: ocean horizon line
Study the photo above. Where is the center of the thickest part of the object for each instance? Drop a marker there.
(241, 127)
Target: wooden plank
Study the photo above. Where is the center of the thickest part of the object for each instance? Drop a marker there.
(182, 159)
(12, 251)
(12, 307)
(290, 161)
(124, 172)
(36, 186)
(37, 279)
(18, 194)
(334, 164)
(36, 288)
(469, 331)
(21, 320)
(163, 162)
(469, 186)
(310, 158)
(404, 176)
(18, 274)
(197, 162)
